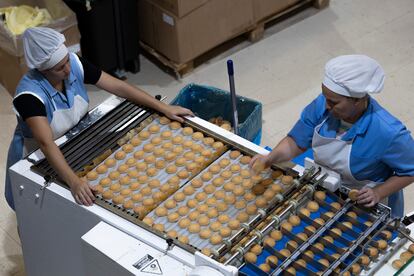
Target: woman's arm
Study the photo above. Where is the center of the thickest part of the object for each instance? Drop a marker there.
(371, 196)
(43, 134)
(136, 95)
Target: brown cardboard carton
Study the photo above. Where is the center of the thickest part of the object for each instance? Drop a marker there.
(183, 39)
(179, 7)
(12, 63)
(266, 8)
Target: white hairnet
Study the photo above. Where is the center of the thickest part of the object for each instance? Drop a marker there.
(354, 76)
(43, 47)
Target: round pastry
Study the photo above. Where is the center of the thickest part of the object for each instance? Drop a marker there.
(352, 214)
(304, 212)
(214, 169)
(309, 253)
(183, 239)
(320, 195)
(336, 256)
(215, 226)
(382, 244)
(238, 191)
(175, 125)
(194, 228)
(319, 246)
(171, 169)
(135, 141)
(173, 217)
(287, 179)
(192, 167)
(129, 204)
(257, 178)
(161, 211)
(192, 203)
(166, 135)
(217, 145)
(197, 135)
(249, 196)
(364, 260)
(353, 194)
(372, 252)
(258, 189)
(276, 174)
(219, 194)
(142, 179)
(328, 239)
(183, 174)
(118, 200)
(206, 176)
(170, 204)
(146, 191)
(110, 162)
(302, 236)
(184, 223)
(196, 183)
(201, 196)
(286, 226)
(265, 267)
(206, 153)
(131, 162)
(102, 169)
(209, 189)
(336, 205)
(150, 159)
(241, 204)
(245, 159)
(405, 256)
(226, 174)
(229, 186)
(206, 251)
(235, 168)
(212, 213)
(269, 242)
(148, 221)
(128, 148)
(187, 131)
(410, 248)
(188, 190)
(234, 154)
(292, 244)
(276, 235)
(123, 168)
(230, 199)
(337, 231)
(222, 206)
(208, 141)
(92, 175)
(250, 257)
(137, 197)
(313, 206)
(139, 154)
(212, 201)
(139, 210)
(269, 195)
(225, 232)
(125, 192)
(218, 182)
(108, 194)
(237, 179)
(368, 223)
(285, 252)
(177, 140)
(134, 186)
(251, 209)
(203, 220)
(154, 129)
(180, 196)
(245, 174)
(115, 187)
(164, 120)
(196, 148)
(215, 239)
(193, 215)
(144, 135)
(261, 202)
(141, 166)
(272, 261)
(320, 221)
(172, 234)
(202, 208)
(178, 150)
(330, 215)
(234, 224)
(159, 196)
(242, 217)
(301, 262)
(167, 146)
(98, 189)
(310, 228)
(223, 218)
(397, 264)
(105, 182)
(199, 160)
(156, 141)
(256, 249)
(324, 262)
(148, 202)
(205, 233)
(387, 235)
(224, 162)
(125, 180)
(294, 220)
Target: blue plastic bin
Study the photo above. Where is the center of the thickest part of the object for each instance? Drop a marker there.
(208, 102)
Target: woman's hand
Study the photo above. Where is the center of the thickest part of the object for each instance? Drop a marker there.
(82, 192)
(259, 162)
(368, 197)
(175, 112)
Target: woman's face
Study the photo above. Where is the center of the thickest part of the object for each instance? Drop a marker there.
(342, 107)
(60, 71)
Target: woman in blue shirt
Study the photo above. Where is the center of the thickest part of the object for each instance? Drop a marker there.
(351, 134)
(51, 98)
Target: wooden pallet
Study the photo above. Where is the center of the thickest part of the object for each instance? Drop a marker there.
(253, 33)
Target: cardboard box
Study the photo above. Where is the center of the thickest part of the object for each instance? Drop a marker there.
(12, 61)
(267, 8)
(179, 7)
(181, 39)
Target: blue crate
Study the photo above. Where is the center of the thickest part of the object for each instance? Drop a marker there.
(207, 102)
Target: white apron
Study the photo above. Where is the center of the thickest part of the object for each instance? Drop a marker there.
(335, 154)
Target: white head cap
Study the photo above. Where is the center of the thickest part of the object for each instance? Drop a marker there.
(354, 76)
(43, 47)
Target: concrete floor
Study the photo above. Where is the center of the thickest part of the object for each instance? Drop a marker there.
(283, 71)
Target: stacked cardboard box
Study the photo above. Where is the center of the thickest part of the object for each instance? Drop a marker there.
(12, 63)
(263, 9)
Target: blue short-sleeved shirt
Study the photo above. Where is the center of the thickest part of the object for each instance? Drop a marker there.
(382, 146)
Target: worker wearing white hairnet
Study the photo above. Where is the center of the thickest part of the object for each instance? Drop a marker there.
(353, 135)
(51, 98)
